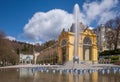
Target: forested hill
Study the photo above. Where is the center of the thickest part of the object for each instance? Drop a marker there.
(10, 49)
(27, 48)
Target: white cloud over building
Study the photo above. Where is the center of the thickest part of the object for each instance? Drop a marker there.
(48, 25)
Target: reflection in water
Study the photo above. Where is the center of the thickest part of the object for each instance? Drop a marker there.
(76, 78)
(28, 75)
(25, 72)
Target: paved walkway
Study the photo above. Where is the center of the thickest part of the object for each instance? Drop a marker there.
(67, 66)
(28, 65)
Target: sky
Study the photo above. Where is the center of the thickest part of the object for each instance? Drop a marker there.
(43, 20)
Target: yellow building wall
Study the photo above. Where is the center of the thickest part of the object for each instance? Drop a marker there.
(69, 36)
(93, 38)
(71, 45)
(81, 47)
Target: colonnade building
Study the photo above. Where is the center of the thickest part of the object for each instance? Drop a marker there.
(87, 45)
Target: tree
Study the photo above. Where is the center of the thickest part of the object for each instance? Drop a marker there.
(109, 39)
(112, 33)
(7, 53)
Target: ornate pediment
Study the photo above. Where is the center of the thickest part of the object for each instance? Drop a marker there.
(88, 31)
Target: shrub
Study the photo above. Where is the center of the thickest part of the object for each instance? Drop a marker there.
(117, 63)
(114, 57)
(110, 52)
(114, 61)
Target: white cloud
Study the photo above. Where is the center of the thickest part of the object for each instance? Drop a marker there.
(100, 11)
(91, 27)
(10, 38)
(33, 43)
(48, 25)
(104, 17)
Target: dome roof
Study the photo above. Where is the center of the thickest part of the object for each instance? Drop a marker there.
(82, 27)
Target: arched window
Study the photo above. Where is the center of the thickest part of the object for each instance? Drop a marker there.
(28, 58)
(63, 42)
(87, 49)
(87, 41)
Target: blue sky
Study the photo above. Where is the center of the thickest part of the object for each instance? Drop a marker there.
(17, 16)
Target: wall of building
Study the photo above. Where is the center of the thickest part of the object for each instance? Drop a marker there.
(26, 58)
(69, 37)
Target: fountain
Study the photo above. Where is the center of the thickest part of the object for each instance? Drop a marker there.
(76, 40)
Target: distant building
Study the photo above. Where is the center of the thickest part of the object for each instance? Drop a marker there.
(26, 59)
(101, 40)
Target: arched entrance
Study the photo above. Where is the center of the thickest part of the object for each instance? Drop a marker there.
(87, 49)
(63, 49)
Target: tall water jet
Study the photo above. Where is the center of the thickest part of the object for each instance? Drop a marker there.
(77, 26)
